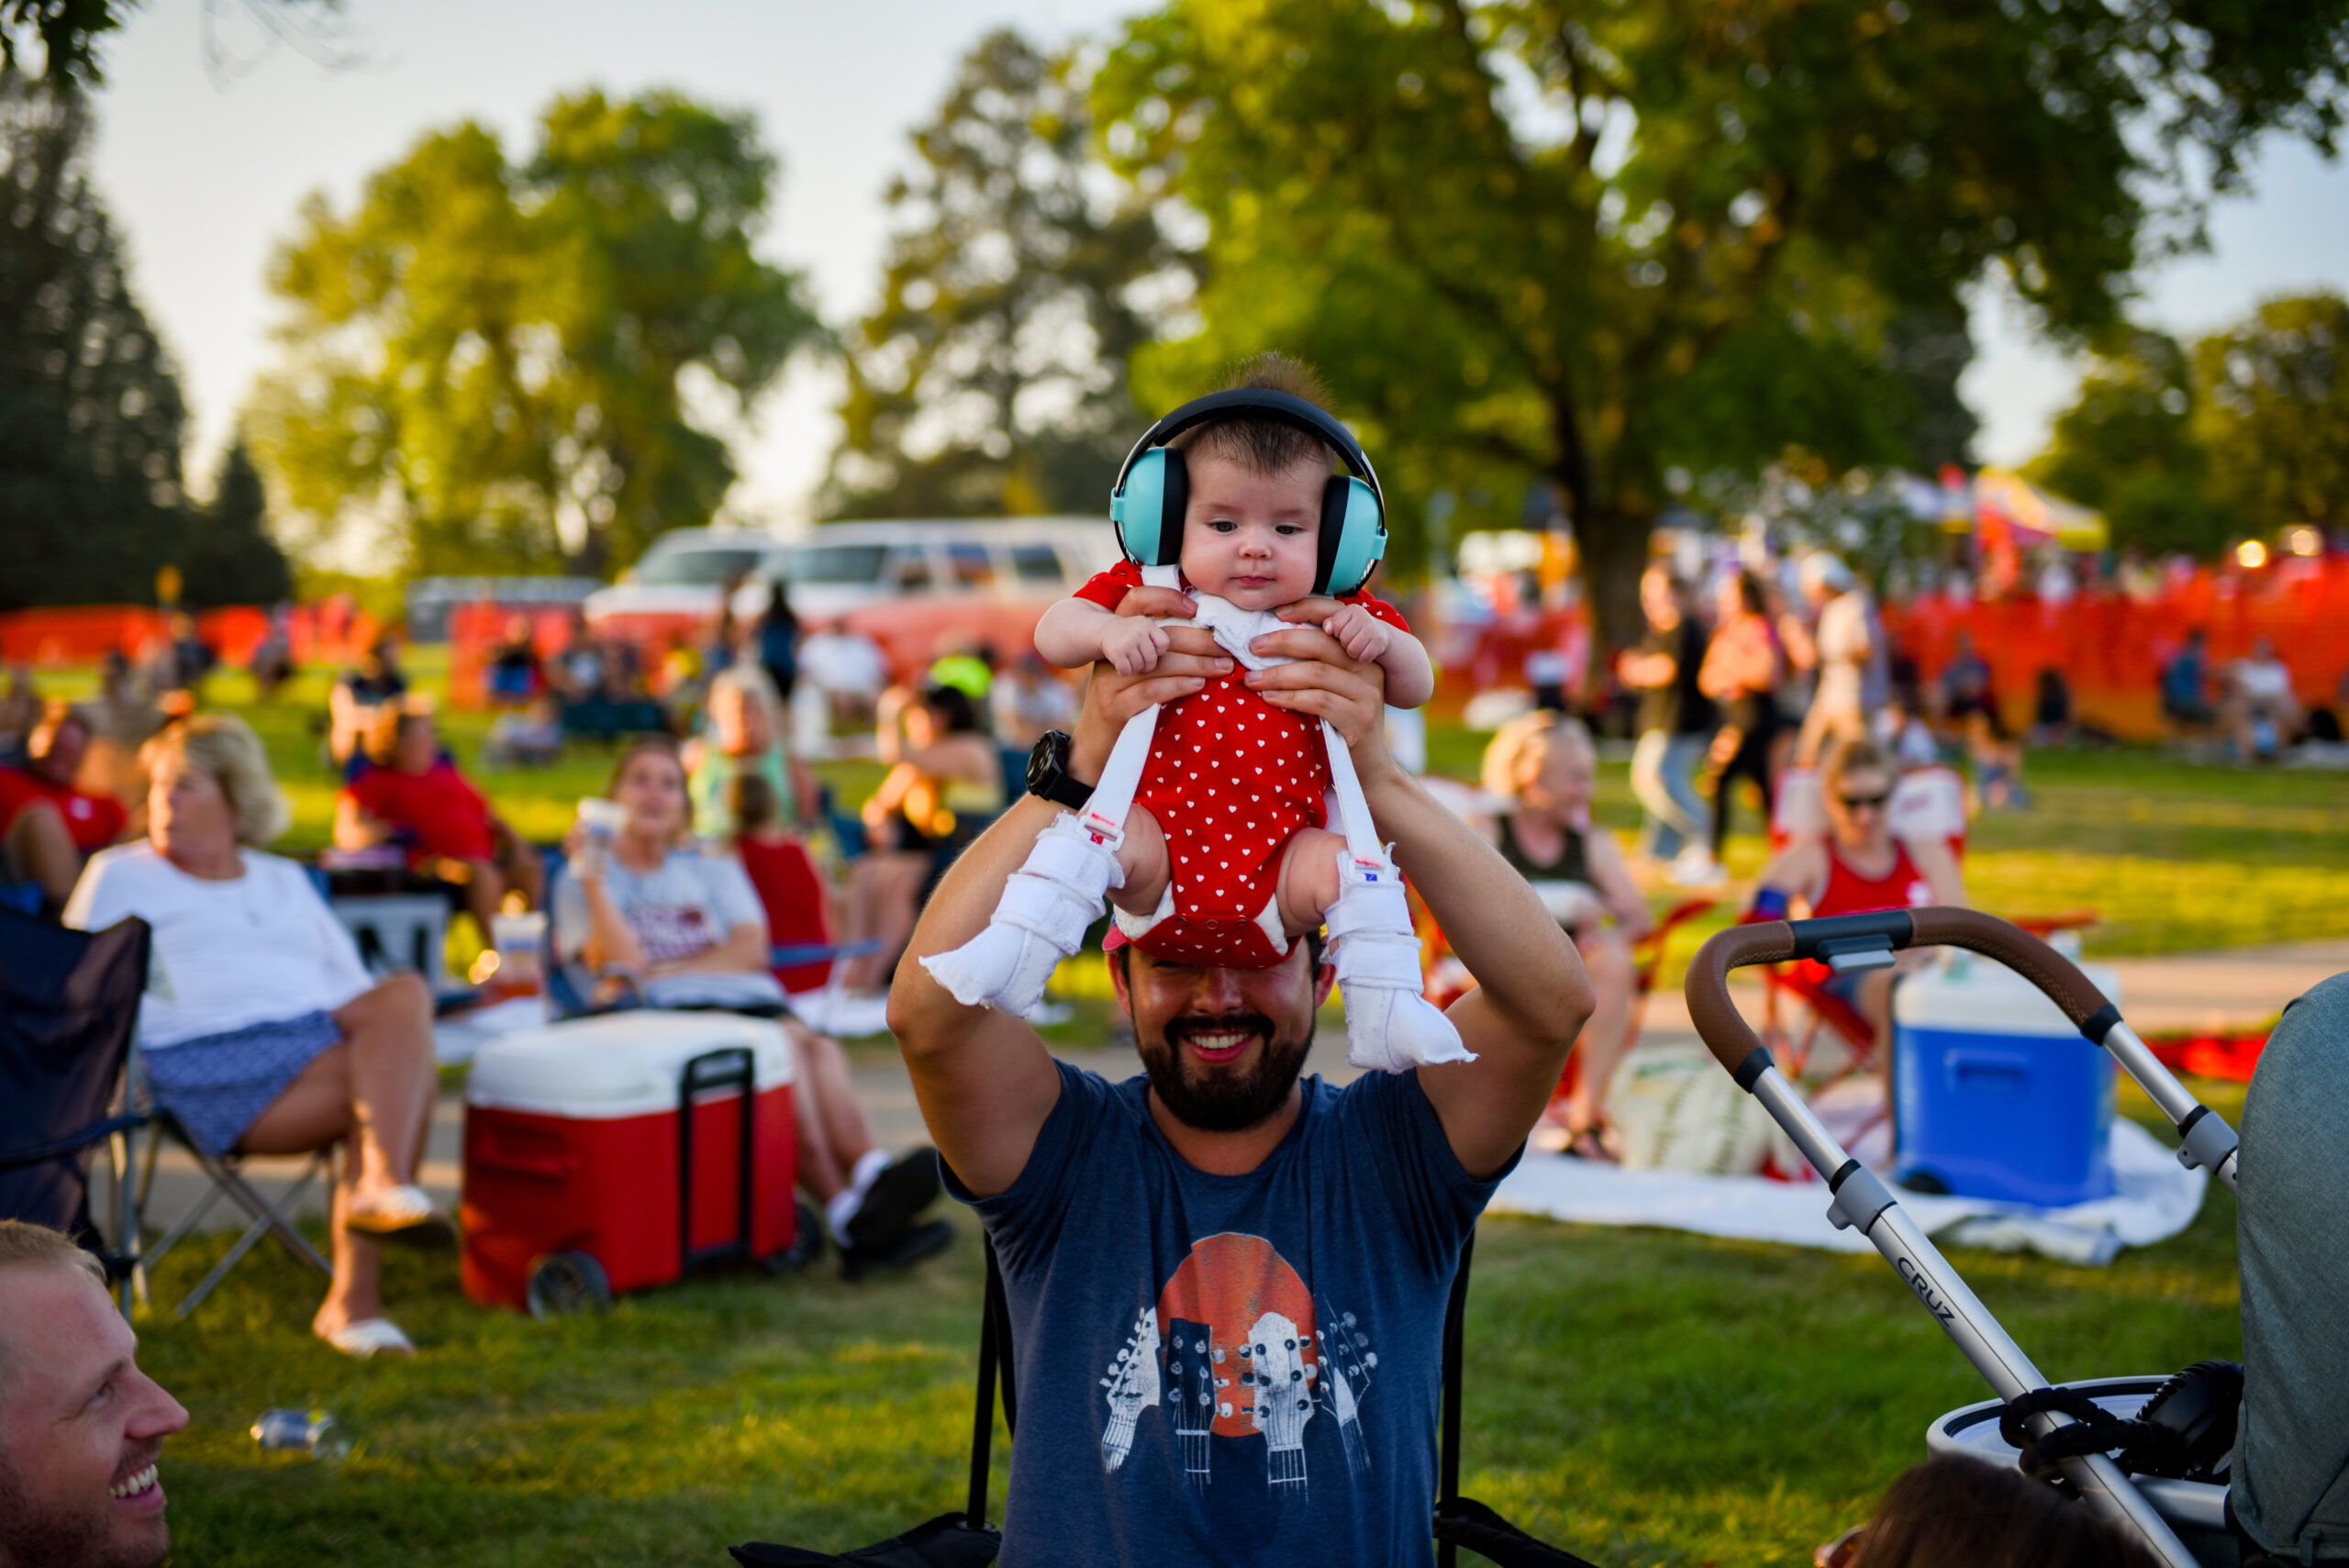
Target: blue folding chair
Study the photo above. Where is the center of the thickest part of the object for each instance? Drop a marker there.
(69, 1009)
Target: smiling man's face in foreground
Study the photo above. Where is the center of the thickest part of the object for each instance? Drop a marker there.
(81, 1428)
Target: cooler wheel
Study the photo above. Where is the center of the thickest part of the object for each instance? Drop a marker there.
(565, 1283)
(807, 1241)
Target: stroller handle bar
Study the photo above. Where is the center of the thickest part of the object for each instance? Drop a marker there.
(2210, 1143)
(1858, 1199)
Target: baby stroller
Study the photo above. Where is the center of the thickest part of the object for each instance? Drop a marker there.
(2147, 1453)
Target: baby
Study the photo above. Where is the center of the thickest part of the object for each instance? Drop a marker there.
(1208, 822)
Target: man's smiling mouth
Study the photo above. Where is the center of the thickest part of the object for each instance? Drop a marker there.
(142, 1481)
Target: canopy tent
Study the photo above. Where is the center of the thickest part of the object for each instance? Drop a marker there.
(2006, 510)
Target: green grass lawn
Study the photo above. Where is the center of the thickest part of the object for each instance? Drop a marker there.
(1643, 1398)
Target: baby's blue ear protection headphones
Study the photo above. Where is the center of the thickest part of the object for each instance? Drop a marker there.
(1154, 487)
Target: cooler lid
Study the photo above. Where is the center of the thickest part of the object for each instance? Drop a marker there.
(1965, 991)
(617, 1064)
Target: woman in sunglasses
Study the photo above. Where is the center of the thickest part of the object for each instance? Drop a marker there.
(1857, 867)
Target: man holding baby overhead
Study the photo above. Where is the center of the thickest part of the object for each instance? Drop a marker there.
(1227, 1284)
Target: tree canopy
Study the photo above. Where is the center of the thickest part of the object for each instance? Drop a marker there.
(500, 359)
(2127, 447)
(992, 377)
(2274, 412)
(91, 414)
(1595, 243)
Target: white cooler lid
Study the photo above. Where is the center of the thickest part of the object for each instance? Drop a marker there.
(617, 1064)
(1965, 992)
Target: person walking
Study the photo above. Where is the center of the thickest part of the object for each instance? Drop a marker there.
(1677, 722)
(1851, 649)
(1744, 665)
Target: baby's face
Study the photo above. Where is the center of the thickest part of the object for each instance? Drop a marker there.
(1250, 537)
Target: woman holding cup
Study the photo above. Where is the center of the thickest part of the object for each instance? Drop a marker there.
(652, 916)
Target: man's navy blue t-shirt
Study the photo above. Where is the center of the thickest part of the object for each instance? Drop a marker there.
(1230, 1369)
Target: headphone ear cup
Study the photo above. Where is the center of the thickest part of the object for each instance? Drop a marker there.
(1354, 535)
(1148, 511)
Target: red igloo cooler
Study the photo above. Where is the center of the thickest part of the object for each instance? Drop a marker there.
(613, 1154)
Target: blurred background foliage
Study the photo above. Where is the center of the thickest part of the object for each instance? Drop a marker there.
(1551, 256)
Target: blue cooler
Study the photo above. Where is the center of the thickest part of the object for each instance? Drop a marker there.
(1996, 1095)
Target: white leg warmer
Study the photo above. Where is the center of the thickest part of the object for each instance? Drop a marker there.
(1390, 1025)
(1042, 918)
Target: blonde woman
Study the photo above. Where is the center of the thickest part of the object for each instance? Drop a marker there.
(1546, 765)
(261, 1030)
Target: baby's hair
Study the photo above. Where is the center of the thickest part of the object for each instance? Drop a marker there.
(1258, 444)
(751, 800)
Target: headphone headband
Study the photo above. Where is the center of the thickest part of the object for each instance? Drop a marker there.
(1264, 403)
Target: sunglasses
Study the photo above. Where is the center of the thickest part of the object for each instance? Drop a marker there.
(1865, 802)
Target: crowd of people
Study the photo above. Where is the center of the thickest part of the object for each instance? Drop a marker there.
(1219, 1168)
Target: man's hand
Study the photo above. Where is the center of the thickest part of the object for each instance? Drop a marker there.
(1323, 681)
(1164, 604)
(1114, 695)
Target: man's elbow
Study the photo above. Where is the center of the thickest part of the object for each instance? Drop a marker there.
(921, 1015)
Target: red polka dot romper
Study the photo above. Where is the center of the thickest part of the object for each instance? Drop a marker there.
(1229, 779)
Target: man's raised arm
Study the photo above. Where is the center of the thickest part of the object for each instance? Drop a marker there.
(1532, 997)
(983, 1079)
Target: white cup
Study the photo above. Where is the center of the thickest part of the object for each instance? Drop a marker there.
(602, 818)
(515, 935)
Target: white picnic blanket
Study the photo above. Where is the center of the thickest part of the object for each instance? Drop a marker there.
(2154, 1198)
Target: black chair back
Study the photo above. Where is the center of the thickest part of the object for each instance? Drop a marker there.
(69, 1003)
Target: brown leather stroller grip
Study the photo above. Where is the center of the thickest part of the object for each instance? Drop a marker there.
(1734, 1042)
(2054, 974)
(1724, 1030)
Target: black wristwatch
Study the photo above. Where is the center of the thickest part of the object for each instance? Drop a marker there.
(1048, 776)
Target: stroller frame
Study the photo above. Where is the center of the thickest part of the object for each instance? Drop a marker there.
(1861, 1200)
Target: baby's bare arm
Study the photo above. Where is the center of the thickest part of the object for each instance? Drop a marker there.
(1410, 673)
(1070, 634)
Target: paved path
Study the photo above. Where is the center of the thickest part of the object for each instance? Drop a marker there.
(2211, 990)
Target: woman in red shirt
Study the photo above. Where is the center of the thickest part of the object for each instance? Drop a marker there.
(1857, 867)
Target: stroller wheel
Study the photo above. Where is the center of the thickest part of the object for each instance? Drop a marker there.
(807, 1241)
(565, 1282)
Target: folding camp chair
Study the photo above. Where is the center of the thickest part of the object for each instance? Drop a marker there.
(963, 1538)
(225, 1177)
(69, 1005)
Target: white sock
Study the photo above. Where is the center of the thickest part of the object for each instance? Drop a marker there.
(850, 1199)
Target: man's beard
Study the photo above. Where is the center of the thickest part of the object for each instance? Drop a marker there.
(30, 1533)
(1221, 1099)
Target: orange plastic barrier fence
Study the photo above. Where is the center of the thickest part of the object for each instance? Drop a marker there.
(2111, 648)
(331, 631)
(477, 630)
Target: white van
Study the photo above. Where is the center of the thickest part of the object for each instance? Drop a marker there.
(838, 567)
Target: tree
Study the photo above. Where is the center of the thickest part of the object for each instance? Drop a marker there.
(497, 358)
(2275, 412)
(992, 377)
(229, 556)
(1592, 243)
(90, 415)
(2127, 447)
(69, 33)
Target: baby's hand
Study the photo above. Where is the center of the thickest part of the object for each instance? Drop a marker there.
(1362, 634)
(1133, 645)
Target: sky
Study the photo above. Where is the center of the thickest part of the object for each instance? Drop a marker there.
(204, 170)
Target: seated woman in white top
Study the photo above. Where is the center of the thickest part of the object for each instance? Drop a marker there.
(648, 913)
(261, 1030)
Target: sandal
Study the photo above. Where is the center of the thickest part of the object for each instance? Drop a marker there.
(1588, 1143)
(367, 1338)
(404, 1214)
